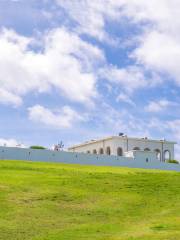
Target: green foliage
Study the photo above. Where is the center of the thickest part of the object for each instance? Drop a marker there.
(173, 161)
(48, 201)
(37, 147)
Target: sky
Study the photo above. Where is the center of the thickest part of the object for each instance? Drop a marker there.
(75, 70)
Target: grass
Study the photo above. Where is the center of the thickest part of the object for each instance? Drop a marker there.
(46, 201)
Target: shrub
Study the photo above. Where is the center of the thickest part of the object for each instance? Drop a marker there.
(37, 147)
(173, 161)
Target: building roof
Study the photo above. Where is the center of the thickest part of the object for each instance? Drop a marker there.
(121, 137)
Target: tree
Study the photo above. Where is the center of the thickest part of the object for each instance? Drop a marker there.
(37, 147)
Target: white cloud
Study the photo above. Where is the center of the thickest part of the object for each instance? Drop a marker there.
(63, 118)
(9, 98)
(65, 63)
(129, 79)
(158, 45)
(174, 125)
(110, 121)
(10, 143)
(70, 64)
(152, 54)
(91, 15)
(125, 98)
(159, 106)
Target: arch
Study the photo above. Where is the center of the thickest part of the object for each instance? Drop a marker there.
(119, 151)
(136, 149)
(167, 155)
(147, 149)
(88, 152)
(94, 151)
(101, 151)
(158, 154)
(108, 151)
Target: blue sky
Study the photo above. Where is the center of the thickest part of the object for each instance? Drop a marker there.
(75, 70)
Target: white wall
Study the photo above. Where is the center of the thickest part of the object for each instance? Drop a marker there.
(81, 158)
(145, 156)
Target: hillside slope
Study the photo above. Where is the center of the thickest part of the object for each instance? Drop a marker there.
(40, 201)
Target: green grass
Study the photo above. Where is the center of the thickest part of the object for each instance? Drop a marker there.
(44, 201)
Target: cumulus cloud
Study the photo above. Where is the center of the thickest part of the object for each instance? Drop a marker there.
(10, 143)
(158, 48)
(174, 125)
(9, 98)
(125, 98)
(69, 63)
(160, 52)
(129, 79)
(159, 106)
(90, 16)
(157, 44)
(62, 118)
(65, 62)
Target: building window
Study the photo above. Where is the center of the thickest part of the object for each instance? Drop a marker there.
(119, 151)
(136, 148)
(101, 151)
(158, 154)
(108, 151)
(94, 151)
(147, 149)
(167, 155)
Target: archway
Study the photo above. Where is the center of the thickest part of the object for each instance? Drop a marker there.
(147, 149)
(167, 155)
(94, 151)
(136, 148)
(158, 154)
(101, 151)
(119, 151)
(108, 151)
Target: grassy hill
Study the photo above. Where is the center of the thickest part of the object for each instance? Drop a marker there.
(40, 201)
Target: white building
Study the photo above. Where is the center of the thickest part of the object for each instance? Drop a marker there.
(123, 146)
